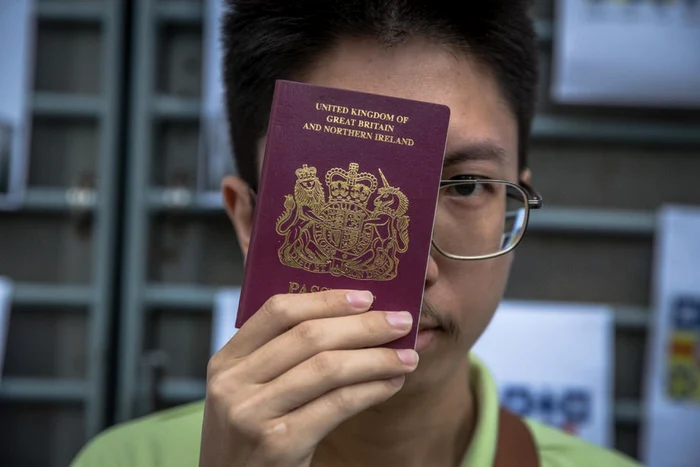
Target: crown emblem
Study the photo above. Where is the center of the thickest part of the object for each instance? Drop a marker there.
(306, 173)
(350, 186)
(342, 236)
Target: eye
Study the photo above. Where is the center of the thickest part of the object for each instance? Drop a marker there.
(466, 189)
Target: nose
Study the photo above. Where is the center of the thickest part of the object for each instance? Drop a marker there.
(432, 272)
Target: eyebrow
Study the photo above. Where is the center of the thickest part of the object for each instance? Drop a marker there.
(478, 151)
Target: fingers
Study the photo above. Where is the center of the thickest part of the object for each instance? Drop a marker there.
(257, 420)
(313, 337)
(282, 312)
(318, 418)
(300, 366)
(328, 371)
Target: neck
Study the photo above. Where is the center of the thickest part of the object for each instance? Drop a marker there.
(417, 427)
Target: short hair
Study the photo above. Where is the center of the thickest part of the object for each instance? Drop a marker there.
(266, 40)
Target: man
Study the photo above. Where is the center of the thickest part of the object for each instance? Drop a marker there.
(303, 382)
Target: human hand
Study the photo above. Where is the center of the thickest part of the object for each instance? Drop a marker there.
(298, 368)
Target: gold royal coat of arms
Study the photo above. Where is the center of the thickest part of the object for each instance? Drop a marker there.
(358, 232)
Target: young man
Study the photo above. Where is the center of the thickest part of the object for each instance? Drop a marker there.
(303, 383)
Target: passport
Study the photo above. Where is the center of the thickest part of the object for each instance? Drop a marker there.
(347, 198)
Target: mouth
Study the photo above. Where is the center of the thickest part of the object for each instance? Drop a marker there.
(434, 327)
(427, 334)
(428, 326)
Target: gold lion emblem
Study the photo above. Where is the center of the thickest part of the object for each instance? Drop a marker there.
(343, 235)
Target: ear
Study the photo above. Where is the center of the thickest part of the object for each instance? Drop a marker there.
(239, 207)
(526, 176)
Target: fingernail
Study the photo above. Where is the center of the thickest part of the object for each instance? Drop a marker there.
(408, 356)
(360, 299)
(398, 381)
(400, 320)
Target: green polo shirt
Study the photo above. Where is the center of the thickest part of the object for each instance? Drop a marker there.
(171, 438)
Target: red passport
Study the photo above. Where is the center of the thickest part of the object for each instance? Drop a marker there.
(347, 198)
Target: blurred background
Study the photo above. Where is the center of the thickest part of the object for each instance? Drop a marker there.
(115, 251)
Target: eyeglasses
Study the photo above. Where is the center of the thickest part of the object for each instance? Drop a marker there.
(482, 218)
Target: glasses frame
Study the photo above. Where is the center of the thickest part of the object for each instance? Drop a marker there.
(534, 201)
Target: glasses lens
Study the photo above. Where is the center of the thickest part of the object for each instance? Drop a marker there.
(479, 218)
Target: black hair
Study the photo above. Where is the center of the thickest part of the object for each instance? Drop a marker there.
(266, 40)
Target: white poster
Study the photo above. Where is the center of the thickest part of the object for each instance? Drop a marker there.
(671, 435)
(16, 77)
(224, 317)
(5, 297)
(216, 158)
(553, 362)
(627, 53)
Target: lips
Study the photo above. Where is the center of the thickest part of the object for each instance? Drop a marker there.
(427, 326)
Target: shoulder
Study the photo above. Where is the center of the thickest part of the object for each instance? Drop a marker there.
(170, 437)
(559, 449)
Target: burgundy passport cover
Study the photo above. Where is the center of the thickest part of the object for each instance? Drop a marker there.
(347, 198)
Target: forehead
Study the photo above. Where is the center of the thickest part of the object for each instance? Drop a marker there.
(428, 72)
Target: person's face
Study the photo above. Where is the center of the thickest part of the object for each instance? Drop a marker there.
(462, 293)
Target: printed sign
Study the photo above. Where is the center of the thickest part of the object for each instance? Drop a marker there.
(216, 157)
(224, 317)
(567, 408)
(672, 390)
(683, 350)
(552, 363)
(16, 76)
(627, 52)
